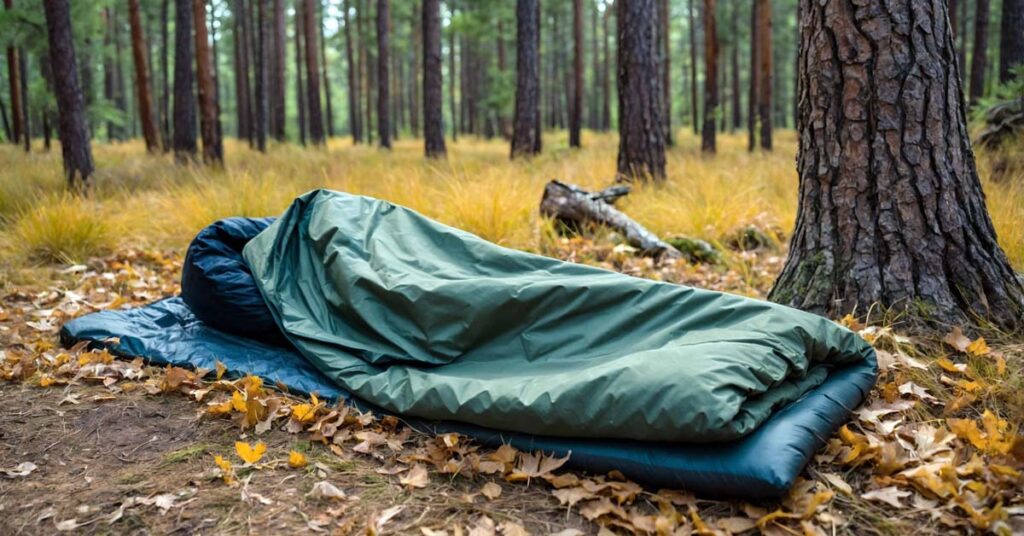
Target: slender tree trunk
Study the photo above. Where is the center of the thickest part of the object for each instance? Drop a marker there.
(1011, 39)
(315, 118)
(120, 99)
(329, 118)
(7, 125)
(149, 130)
(213, 149)
(165, 77)
(979, 61)
(110, 72)
(766, 77)
(694, 97)
(242, 92)
(593, 100)
(353, 86)
(891, 208)
(184, 100)
(262, 54)
(300, 93)
(14, 79)
(451, 82)
(526, 124)
(366, 90)
(606, 86)
(277, 111)
(503, 121)
(708, 144)
(383, 111)
(641, 130)
(755, 78)
(415, 70)
(433, 115)
(215, 67)
(26, 125)
(74, 132)
(576, 110)
(665, 47)
(737, 116)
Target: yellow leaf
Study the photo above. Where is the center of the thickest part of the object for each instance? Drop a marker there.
(304, 412)
(220, 370)
(297, 459)
(46, 380)
(978, 347)
(238, 401)
(227, 471)
(949, 366)
(968, 430)
(222, 408)
(250, 453)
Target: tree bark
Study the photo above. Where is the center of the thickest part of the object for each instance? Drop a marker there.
(433, 115)
(300, 92)
(213, 149)
(110, 72)
(14, 79)
(593, 101)
(526, 123)
(1011, 39)
(165, 75)
(576, 119)
(979, 60)
(383, 108)
(329, 117)
(415, 70)
(241, 72)
(737, 119)
(606, 87)
(694, 98)
(641, 130)
(74, 132)
(665, 55)
(277, 110)
(315, 118)
(262, 54)
(891, 209)
(7, 125)
(184, 103)
(451, 82)
(755, 78)
(149, 130)
(354, 126)
(766, 77)
(708, 144)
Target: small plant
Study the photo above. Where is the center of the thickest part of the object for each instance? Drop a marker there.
(62, 229)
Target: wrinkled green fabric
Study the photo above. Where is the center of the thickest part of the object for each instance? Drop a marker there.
(429, 321)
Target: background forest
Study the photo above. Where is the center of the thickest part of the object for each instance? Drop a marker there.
(188, 111)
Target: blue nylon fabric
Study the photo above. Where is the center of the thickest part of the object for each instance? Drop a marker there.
(761, 465)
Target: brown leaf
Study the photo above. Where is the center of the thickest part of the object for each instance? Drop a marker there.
(491, 490)
(890, 495)
(417, 477)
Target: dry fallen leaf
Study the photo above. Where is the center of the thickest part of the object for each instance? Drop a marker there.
(326, 490)
(416, 477)
(250, 454)
(491, 490)
(297, 459)
(890, 495)
(21, 470)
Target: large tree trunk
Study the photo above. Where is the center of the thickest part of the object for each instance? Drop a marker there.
(641, 130)
(708, 144)
(979, 60)
(149, 130)
(891, 209)
(353, 87)
(315, 118)
(694, 100)
(277, 109)
(329, 117)
(383, 38)
(577, 74)
(755, 79)
(74, 132)
(184, 102)
(14, 79)
(766, 77)
(300, 92)
(526, 123)
(1011, 39)
(213, 149)
(433, 115)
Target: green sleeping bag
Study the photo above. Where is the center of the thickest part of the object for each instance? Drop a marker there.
(429, 321)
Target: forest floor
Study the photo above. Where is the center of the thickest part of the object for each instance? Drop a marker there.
(91, 444)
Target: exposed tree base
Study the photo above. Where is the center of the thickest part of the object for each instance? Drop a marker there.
(574, 208)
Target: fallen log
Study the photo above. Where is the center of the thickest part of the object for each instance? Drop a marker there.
(574, 208)
(1003, 121)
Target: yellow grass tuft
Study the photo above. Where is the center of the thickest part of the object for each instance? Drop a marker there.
(61, 228)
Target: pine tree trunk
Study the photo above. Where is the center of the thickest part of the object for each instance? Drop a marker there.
(74, 132)
(262, 54)
(737, 118)
(26, 125)
(451, 83)
(184, 102)
(300, 92)
(383, 108)
(415, 71)
(963, 41)
(641, 129)
(366, 89)
(353, 87)
(277, 110)
(314, 117)
(526, 122)
(755, 78)
(593, 101)
(708, 142)
(149, 130)
(694, 100)
(664, 45)
(14, 79)
(433, 115)
(7, 125)
(250, 50)
(577, 75)
(606, 86)
(766, 76)
(979, 60)
(109, 72)
(120, 99)
(891, 209)
(329, 118)
(213, 150)
(165, 77)
(241, 72)
(1011, 39)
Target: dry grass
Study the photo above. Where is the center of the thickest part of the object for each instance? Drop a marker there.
(148, 201)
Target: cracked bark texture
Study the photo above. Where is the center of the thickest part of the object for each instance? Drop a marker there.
(641, 130)
(891, 210)
(526, 139)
